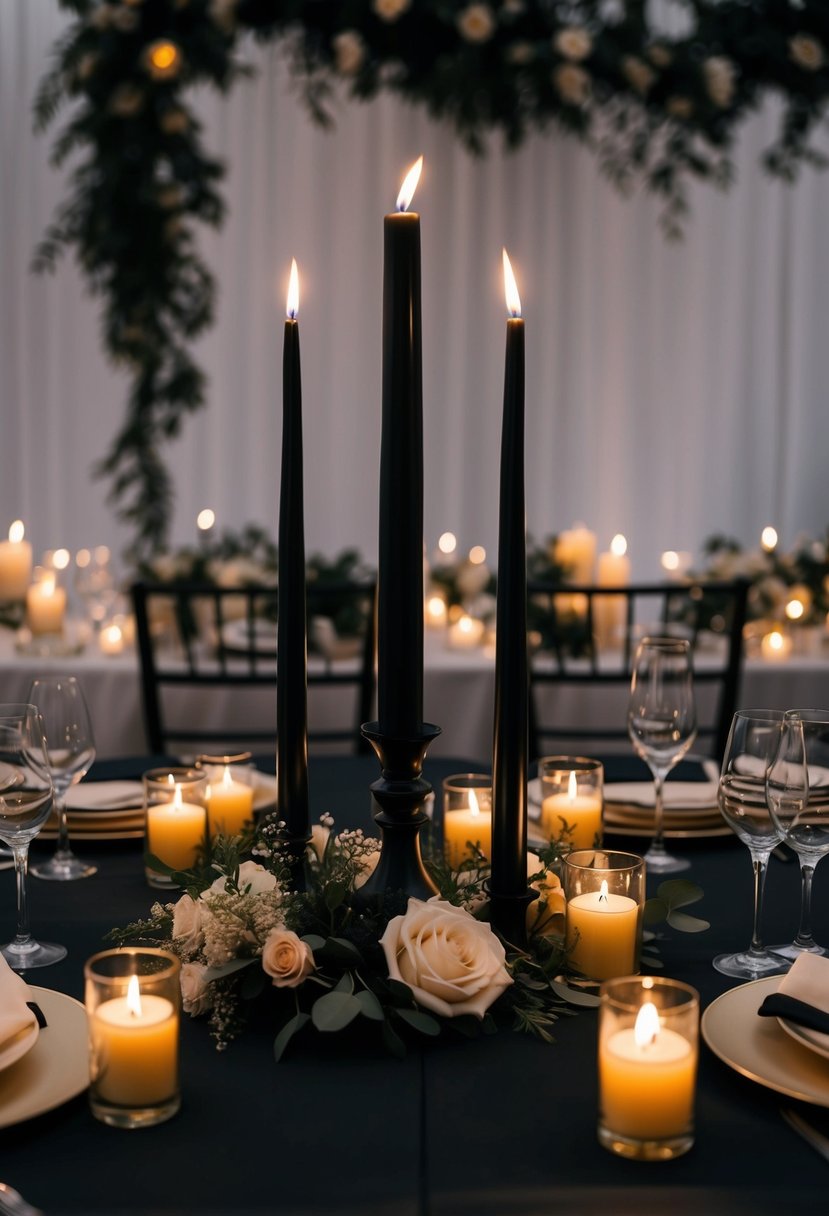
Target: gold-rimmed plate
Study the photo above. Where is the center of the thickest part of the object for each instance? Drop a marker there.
(758, 1048)
(56, 1069)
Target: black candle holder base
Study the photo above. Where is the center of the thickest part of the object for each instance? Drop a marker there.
(508, 915)
(400, 793)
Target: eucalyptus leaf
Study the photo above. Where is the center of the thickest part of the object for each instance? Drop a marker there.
(370, 1005)
(253, 982)
(687, 924)
(314, 941)
(335, 893)
(342, 950)
(394, 1043)
(679, 892)
(335, 1011)
(235, 964)
(574, 996)
(287, 1033)
(418, 1020)
(345, 983)
(655, 911)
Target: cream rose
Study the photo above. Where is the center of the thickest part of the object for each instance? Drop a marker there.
(573, 84)
(390, 10)
(253, 880)
(573, 43)
(196, 997)
(806, 52)
(453, 963)
(476, 23)
(286, 958)
(720, 80)
(187, 924)
(349, 52)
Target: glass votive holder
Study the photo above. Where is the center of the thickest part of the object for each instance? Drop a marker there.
(467, 816)
(605, 898)
(572, 799)
(175, 807)
(230, 792)
(133, 1000)
(648, 1051)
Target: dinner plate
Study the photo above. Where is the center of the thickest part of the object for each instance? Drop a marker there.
(759, 1049)
(104, 796)
(57, 1067)
(20, 1045)
(693, 822)
(812, 1040)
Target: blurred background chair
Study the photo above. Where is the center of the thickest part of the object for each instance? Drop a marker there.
(583, 641)
(208, 666)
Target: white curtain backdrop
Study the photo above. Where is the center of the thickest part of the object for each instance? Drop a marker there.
(672, 390)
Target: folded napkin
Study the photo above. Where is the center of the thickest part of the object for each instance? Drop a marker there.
(676, 793)
(104, 795)
(15, 1015)
(803, 994)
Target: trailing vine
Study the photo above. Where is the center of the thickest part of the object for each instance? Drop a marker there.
(656, 110)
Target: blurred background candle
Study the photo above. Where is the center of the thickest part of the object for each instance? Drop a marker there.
(15, 565)
(776, 646)
(605, 895)
(609, 610)
(111, 640)
(45, 605)
(575, 548)
(436, 612)
(465, 633)
(571, 798)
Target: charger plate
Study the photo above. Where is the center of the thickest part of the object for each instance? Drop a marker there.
(57, 1067)
(759, 1049)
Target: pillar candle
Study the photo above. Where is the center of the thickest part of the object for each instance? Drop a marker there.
(470, 825)
(230, 806)
(609, 610)
(510, 736)
(581, 813)
(176, 831)
(15, 565)
(400, 563)
(602, 933)
(136, 1046)
(776, 646)
(576, 549)
(465, 633)
(647, 1074)
(45, 606)
(292, 633)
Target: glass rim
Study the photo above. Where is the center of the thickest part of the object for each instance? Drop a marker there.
(760, 715)
(482, 781)
(665, 642)
(632, 860)
(181, 773)
(645, 984)
(586, 763)
(806, 715)
(173, 967)
(18, 709)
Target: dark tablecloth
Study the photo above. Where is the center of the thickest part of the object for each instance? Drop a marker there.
(502, 1124)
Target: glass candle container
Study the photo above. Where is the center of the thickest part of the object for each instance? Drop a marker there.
(467, 816)
(648, 1051)
(175, 806)
(133, 999)
(605, 897)
(230, 792)
(572, 799)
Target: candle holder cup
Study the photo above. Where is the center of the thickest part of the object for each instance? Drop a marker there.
(467, 816)
(231, 792)
(648, 1051)
(175, 811)
(572, 800)
(133, 1000)
(605, 898)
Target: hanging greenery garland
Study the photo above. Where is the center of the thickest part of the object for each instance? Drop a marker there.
(656, 109)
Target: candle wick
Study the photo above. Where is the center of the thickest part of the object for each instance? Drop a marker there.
(603, 896)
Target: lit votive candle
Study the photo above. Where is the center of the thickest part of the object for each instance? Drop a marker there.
(776, 646)
(467, 817)
(436, 614)
(230, 804)
(134, 1035)
(648, 1049)
(15, 565)
(571, 800)
(605, 898)
(176, 819)
(111, 640)
(45, 605)
(465, 633)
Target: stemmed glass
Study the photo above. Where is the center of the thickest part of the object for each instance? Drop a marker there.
(797, 790)
(25, 802)
(70, 749)
(751, 748)
(662, 724)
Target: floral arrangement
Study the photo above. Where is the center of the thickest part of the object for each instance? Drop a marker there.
(657, 105)
(399, 967)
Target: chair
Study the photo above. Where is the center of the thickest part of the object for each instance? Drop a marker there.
(567, 656)
(208, 665)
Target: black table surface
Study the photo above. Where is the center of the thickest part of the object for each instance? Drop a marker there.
(497, 1124)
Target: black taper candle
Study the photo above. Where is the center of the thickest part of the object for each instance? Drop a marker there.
(292, 646)
(400, 565)
(508, 882)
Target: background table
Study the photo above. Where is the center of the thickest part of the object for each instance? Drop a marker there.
(495, 1125)
(459, 689)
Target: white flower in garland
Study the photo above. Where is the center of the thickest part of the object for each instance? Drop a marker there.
(638, 74)
(806, 52)
(196, 993)
(174, 122)
(574, 43)
(720, 80)
(514, 8)
(679, 106)
(520, 53)
(391, 10)
(659, 55)
(476, 23)
(349, 52)
(573, 84)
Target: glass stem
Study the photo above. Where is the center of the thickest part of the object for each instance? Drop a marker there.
(658, 842)
(804, 937)
(63, 851)
(23, 938)
(760, 864)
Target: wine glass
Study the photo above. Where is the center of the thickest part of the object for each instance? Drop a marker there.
(752, 745)
(70, 748)
(797, 790)
(25, 802)
(662, 724)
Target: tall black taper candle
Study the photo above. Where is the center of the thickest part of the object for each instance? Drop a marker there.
(292, 648)
(400, 565)
(508, 890)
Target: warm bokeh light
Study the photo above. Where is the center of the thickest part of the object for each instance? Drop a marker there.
(164, 57)
(511, 288)
(448, 543)
(102, 554)
(669, 560)
(477, 555)
(409, 186)
(795, 610)
(292, 306)
(618, 546)
(775, 640)
(47, 583)
(205, 519)
(82, 558)
(768, 538)
(17, 532)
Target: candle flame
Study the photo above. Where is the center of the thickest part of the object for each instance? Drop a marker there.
(134, 997)
(227, 779)
(409, 186)
(768, 538)
(473, 803)
(603, 892)
(205, 519)
(292, 307)
(465, 624)
(775, 639)
(795, 610)
(47, 584)
(511, 288)
(572, 786)
(177, 799)
(618, 546)
(670, 560)
(17, 532)
(171, 779)
(647, 1026)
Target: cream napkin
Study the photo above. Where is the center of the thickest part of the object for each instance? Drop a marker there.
(15, 1015)
(803, 994)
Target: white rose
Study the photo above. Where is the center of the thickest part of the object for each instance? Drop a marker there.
(253, 880)
(286, 958)
(187, 924)
(679, 106)
(196, 996)
(806, 52)
(476, 23)
(349, 52)
(638, 74)
(573, 84)
(720, 76)
(390, 10)
(573, 43)
(453, 963)
(660, 55)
